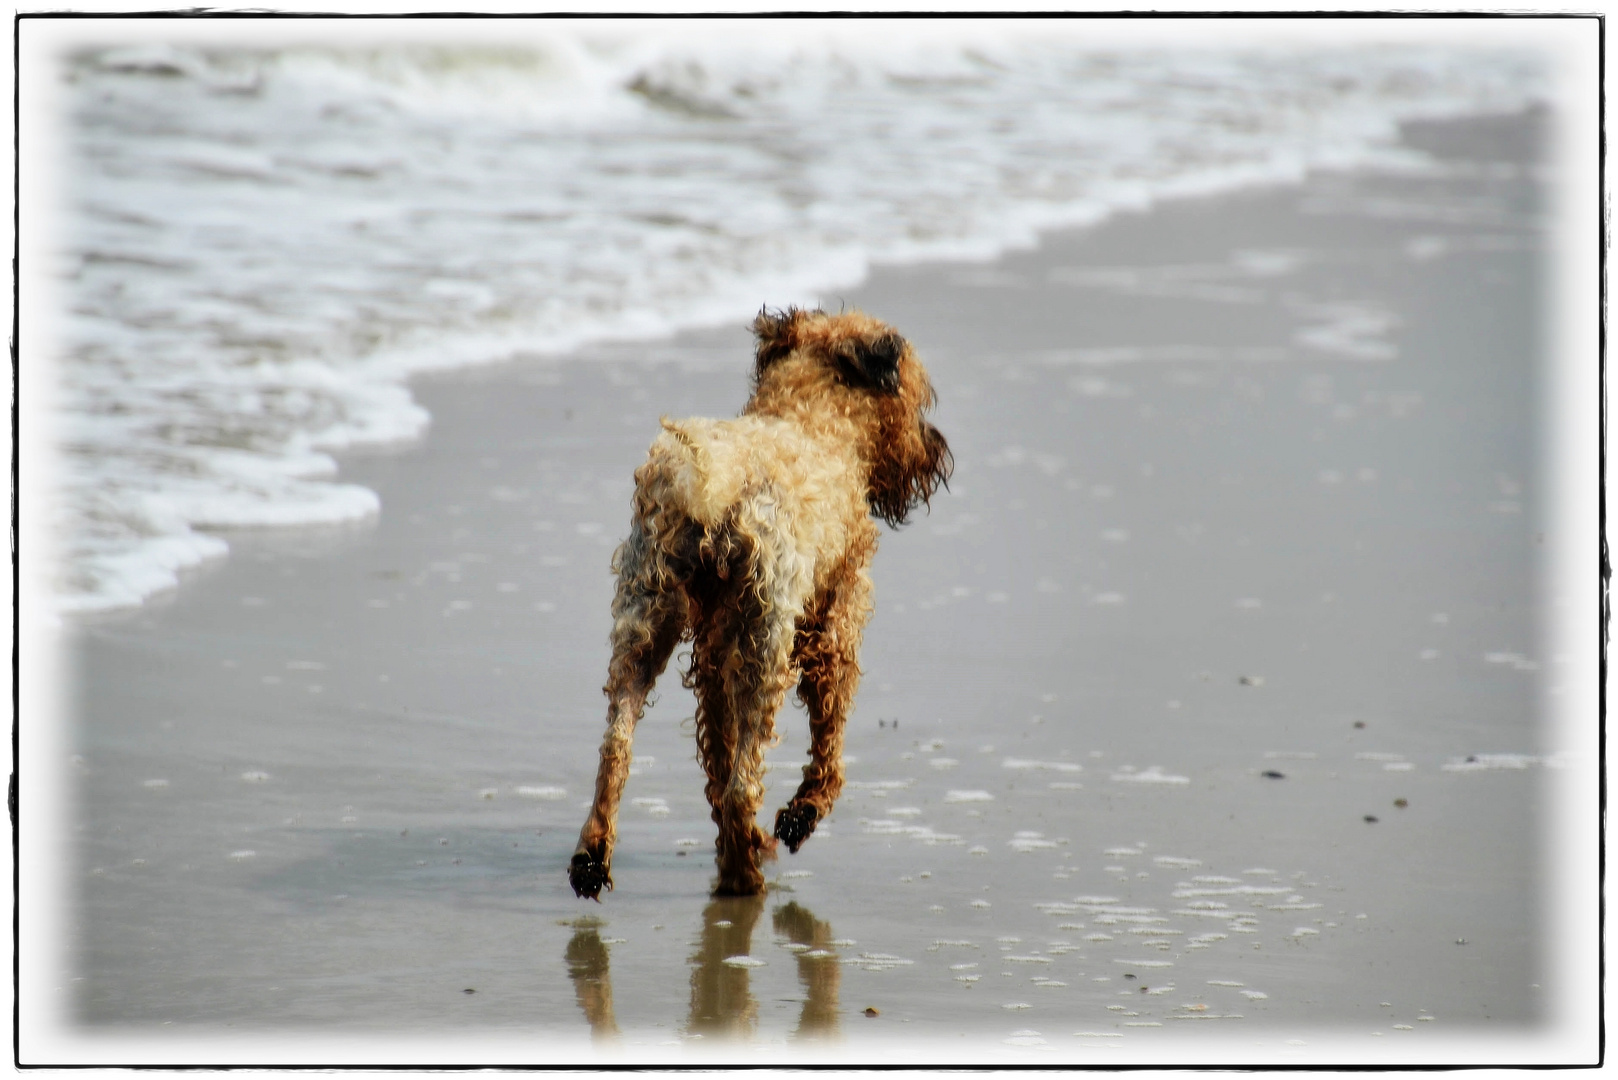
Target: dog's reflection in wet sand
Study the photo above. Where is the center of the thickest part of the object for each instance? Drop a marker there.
(818, 969)
(588, 967)
(722, 1001)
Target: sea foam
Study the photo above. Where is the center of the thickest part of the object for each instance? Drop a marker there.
(261, 243)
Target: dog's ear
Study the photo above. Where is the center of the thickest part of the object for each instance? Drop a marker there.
(872, 362)
(776, 335)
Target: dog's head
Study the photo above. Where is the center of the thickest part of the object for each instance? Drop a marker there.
(829, 370)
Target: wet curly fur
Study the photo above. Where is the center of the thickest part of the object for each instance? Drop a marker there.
(751, 539)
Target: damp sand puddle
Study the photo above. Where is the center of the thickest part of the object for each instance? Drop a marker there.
(942, 915)
(926, 898)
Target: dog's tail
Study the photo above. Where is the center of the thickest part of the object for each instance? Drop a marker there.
(698, 452)
(695, 467)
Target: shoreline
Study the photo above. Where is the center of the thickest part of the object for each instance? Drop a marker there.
(1136, 532)
(200, 548)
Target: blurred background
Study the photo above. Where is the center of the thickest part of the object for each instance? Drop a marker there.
(259, 244)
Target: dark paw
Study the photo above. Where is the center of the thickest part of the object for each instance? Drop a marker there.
(588, 875)
(794, 824)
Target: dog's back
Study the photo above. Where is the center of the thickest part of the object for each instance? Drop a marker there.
(797, 502)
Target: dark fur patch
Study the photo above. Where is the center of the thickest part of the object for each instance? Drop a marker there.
(898, 487)
(776, 339)
(873, 364)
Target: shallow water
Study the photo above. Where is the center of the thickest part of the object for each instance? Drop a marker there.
(260, 240)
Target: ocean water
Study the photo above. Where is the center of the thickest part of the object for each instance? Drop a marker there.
(262, 244)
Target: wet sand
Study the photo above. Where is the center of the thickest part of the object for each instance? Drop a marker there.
(1203, 718)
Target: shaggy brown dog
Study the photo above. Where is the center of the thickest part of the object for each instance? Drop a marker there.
(751, 538)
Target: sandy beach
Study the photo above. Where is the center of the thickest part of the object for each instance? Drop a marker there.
(1202, 719)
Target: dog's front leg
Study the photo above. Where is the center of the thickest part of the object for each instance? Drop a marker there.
(827, 654)
(647, 624)
(591, 868)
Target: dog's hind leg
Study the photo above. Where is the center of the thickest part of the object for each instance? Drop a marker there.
(754, 688)
(740, 672)
(827, 654)
(648, 617)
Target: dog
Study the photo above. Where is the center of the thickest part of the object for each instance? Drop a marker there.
(751, 539)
